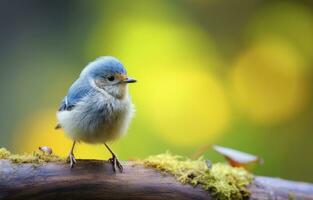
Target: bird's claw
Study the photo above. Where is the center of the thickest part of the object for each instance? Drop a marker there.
(71, 159)
(115, 162)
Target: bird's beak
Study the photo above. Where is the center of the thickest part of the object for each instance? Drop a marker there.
(130, 80)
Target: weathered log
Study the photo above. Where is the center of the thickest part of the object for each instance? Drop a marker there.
(94, 179)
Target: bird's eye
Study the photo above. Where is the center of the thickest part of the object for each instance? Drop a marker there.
(111, 78)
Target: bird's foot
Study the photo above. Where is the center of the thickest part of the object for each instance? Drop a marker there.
(115, 162)
(71, 159)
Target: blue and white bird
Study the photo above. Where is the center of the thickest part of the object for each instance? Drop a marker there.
(97, 108)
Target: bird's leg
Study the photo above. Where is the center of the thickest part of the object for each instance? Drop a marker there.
(114, 161)
(71, 157)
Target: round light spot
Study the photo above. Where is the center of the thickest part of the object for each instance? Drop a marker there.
(268, 82)
(188, 107)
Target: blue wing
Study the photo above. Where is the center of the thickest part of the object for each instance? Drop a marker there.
(77, 91)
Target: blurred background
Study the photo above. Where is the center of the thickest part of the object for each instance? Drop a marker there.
(233, 73)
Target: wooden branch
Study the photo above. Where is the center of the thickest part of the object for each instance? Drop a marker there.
(94, 179)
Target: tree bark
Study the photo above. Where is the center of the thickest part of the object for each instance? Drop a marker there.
(94, 179)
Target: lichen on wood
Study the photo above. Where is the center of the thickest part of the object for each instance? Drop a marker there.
(139, 182)
(221, 180)
(35, 158)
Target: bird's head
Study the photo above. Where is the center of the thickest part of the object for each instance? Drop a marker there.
(108, 74)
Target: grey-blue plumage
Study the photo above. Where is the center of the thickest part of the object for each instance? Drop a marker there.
(97, 107)
(101, 67)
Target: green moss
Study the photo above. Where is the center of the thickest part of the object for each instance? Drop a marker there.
(221, 180)
(4, 153)
(34, 158)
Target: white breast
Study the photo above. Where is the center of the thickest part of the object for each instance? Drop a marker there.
(97, 118)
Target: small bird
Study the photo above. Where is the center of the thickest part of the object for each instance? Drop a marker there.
(97, 107)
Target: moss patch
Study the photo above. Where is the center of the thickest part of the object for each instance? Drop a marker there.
(221, 180)
(34, 158)
(4, 153)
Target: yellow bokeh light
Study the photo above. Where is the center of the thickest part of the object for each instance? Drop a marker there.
(38, 130)
(268, 81)
(187, 107)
